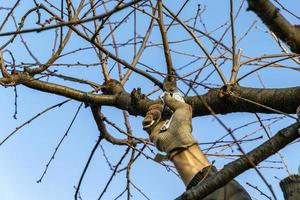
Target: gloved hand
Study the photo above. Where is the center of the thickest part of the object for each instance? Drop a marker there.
(179, 134)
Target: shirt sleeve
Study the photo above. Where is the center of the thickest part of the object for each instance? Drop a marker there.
(231, 191)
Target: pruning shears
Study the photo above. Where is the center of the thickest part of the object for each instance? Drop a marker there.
(169, 88)
(176, 95)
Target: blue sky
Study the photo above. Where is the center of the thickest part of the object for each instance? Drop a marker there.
(24, 156)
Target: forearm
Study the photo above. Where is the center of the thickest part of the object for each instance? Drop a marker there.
(189, 162)
(177, 141)
(192, 165)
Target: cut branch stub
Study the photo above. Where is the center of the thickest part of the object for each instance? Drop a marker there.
(135, 103)
(112, 87)
(140, 102)
(169, 83)
(235, 99)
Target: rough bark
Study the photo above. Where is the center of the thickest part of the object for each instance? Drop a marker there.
(221, 100)
(277, 23)
(237, 167)
(245, 99)
(238, 99)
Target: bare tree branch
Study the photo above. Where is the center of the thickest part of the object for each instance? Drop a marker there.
(237, 167)
(277, 23)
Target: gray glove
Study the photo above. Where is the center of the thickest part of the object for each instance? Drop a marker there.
(178, 136)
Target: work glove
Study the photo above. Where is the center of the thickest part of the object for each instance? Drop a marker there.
(178, 134)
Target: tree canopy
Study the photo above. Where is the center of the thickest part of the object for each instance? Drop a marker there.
(78, 76)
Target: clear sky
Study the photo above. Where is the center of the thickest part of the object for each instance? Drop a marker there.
(23, 158)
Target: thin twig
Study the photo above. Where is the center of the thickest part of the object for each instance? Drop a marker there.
(235, 67)
(197, 40)
(165, 41)
(31, 119)
(59, 144)
(76, 195)
(232, 34)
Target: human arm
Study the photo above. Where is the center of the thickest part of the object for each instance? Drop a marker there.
(189, 162)
(183, 150)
